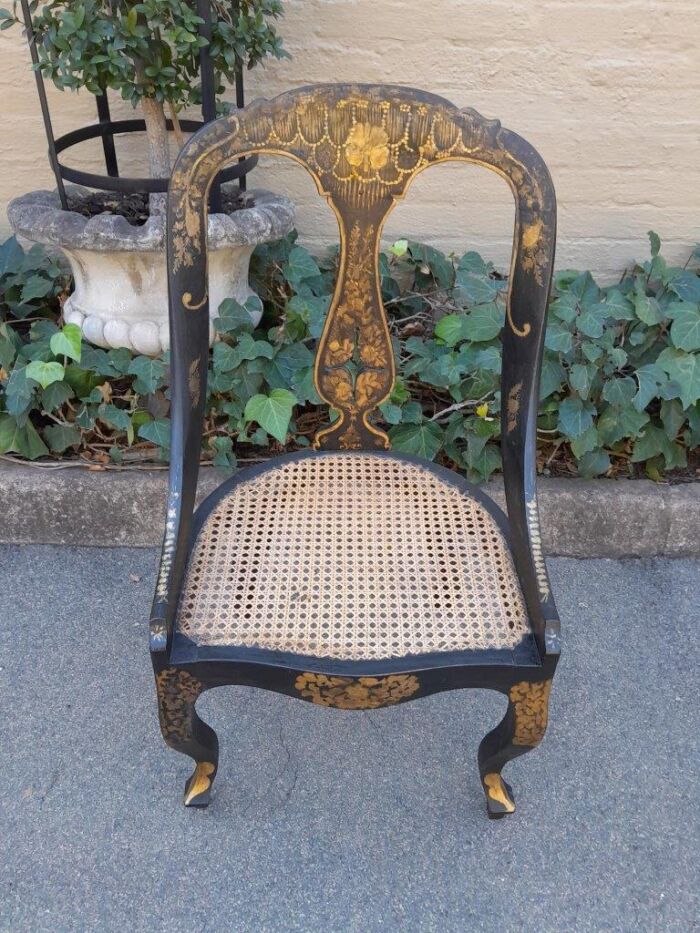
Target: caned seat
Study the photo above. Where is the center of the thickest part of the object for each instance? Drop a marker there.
(354, 556)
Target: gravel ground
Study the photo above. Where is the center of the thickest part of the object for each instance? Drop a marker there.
(345, 821)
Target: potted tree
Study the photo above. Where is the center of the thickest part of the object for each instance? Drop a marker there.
(150, 53)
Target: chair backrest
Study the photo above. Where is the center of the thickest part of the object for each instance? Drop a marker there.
(363, 145)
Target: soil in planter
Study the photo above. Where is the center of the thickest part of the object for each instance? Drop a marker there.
(134, 207)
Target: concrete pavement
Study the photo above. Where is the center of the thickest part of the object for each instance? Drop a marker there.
(344, 821)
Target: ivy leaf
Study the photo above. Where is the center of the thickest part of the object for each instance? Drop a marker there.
(686, 285)
(292, 358)
(585, 290)
(158, 432)
(98, 361)
(421, 440)
(67, 342)
(489, 359)
(683, 368)
(250, 349)
(650, 443)
(672, 417)
(594, 463)
(55, 395)
(234, 317)
(62, 436)
(585, 443)
(685, 329)
(552, 376)
(312, 310)
(592, 351)
(150, 374)
(614, 423)
(11, 254)
(646, 308)
(19, 392)
(272, 412)
(558, 338)
(565, 307)
(23, 440)
(246, 383)
(449, 329)
(649, 378)
(226, 358)
(45, 373)
(9, 431)
(484, 322)
(432, 261)
(117, 418)
(9, 345)
(591, 321)
(575, 417)
(81, 380)
(225, 456)
(412, 413)
(391, 413)
(475, 289)
(619, 306)
(36, 286)
(581, 379)
(399, 248)
(300, 267)
(304, 387)
(620, 392)
(119, 358)
(618, 357)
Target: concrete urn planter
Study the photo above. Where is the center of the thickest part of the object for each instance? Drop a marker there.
(120, 298)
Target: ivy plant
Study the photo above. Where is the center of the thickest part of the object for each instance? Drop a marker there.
(620, 388)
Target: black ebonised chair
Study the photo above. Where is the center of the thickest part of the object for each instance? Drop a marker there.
(349, 575)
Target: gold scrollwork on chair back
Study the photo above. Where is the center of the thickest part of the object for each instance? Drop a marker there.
(363, 145)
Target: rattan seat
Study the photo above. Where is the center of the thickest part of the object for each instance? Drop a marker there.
(352, 556)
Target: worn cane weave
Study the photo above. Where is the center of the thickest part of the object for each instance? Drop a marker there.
(351, 556)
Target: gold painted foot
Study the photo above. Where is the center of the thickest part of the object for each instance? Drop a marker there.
(499, 796)
(198, 787)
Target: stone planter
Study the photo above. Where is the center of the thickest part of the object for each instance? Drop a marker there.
(120, 297)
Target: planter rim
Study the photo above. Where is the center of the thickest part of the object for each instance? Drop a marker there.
(38, 217)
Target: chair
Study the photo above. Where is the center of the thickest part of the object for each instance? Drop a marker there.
(348, 575)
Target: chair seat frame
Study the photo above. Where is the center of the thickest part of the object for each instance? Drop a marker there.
(362, 144)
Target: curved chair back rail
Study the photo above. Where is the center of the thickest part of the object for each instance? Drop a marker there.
(363, 145)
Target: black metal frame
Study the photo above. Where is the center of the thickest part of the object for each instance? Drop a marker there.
(183, 670)
(107, 129)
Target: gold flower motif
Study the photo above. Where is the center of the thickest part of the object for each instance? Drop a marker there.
(367, 147)
(339, 350)
(531, 706)
(369, 388)
(356, 693)
(337, 386)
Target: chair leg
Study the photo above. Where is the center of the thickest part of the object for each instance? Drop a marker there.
(184, 731)
(521, 729)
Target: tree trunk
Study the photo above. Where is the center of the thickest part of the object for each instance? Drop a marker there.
(157, 136)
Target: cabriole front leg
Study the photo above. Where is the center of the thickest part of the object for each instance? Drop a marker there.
(521, 729)
(183, 730)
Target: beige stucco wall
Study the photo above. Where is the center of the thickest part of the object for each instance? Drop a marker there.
(607, 90)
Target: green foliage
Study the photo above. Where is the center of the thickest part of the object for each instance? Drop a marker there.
(147, 48)
(620, 375)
